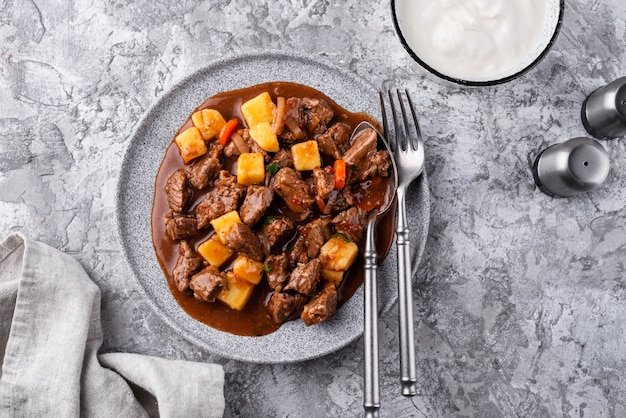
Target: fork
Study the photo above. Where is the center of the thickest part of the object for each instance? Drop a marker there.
(408, 151)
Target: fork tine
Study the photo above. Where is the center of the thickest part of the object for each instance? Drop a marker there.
(414, 139)
(399, 129)
(386, 131)
(408, 116)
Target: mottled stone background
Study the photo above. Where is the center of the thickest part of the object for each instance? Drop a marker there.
(521, 297)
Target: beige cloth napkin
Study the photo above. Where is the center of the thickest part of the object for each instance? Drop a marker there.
(50, 334)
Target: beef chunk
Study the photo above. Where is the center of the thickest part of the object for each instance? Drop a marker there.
(283, 157)
(203, 171)
(187, 265)
(225, 198)
(297, 251)
(276, 231)
(213, 206)
(358, 155)
(178, 191)
(335, 140)
(254, 147)
(310, 239)
(324, 181)
(317, 114)
(351, 223)
(294, 121)
(285, 306)
(299, 216)
(380, 164)
(207, 283)
(316, 233)
(226, 181)
(305, 277)
(257, 200)
(241, 142)
(363, 159)
(296, 193)
(237, 145)
(231, 150)
(277, 270)
(322, 306)
(339, 200)
(215, 149)
(240, 238)
(180, 226)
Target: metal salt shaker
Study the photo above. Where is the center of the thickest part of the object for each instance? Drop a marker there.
(574, 166)
(603, 112)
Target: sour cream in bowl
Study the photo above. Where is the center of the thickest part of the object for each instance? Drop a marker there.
(477, 42)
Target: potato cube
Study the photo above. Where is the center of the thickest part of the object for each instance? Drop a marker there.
(306, 155)
(332, 276)
(190, 144)
(250, 168)
(209, 122)
(214, 252)
(237, 293)
(248, 269)
(265, 137)
(257, 110)
(223, 224)
(338, 253)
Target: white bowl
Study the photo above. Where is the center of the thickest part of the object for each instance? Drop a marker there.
(478, 42)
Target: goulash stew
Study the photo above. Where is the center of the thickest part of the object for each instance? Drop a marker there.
(260, 207)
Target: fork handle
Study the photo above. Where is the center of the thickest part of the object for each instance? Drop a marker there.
(371, 387)
(408, 376)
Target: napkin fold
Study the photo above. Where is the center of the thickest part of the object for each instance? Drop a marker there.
(50, 333)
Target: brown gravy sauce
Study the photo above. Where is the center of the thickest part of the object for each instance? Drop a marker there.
(253, 320)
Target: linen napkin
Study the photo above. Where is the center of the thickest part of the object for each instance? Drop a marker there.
(50, 333)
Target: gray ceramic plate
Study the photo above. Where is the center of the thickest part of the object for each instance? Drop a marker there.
(293, 341)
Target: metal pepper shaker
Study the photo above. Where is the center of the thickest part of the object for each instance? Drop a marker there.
(603, 112)
(574, 166)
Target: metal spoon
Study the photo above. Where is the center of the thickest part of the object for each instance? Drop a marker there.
(371, 390)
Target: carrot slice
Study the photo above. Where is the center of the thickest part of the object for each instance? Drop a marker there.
(340, 174)
(228, 129)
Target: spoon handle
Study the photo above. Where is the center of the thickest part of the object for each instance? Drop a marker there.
(408, 376)
(371, 390)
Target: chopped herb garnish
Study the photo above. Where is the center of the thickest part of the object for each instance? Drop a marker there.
(269, 220)
(272, 168)
(266, 267)
(354, 167)
(342, 236)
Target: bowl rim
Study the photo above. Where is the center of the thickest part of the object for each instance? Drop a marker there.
(486, 83)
